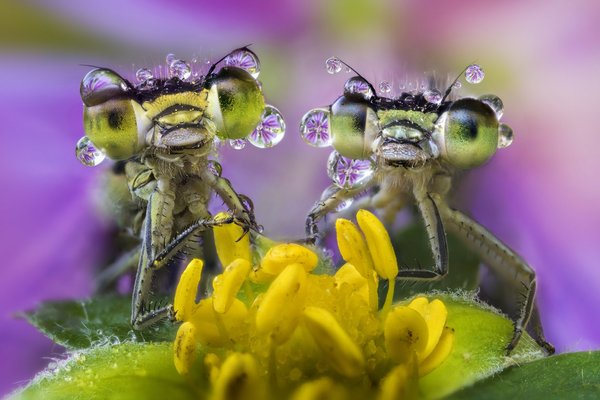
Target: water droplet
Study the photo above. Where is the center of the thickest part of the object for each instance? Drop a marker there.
(314, 128)
(170, 58)
(143, 74)
(495, 103)
(270, 130)
(215, 168)
(348, 70)
(100, 85)
(474, 74)
(87, 153)
(347, 172)
(385, 87)
(505, 136)
(357, 85)
(457, 85)
(333, 65)
(237, 144)
(180, 69)
(244, 59)
(433, 96)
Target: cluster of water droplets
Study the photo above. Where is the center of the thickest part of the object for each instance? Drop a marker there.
(87, 153)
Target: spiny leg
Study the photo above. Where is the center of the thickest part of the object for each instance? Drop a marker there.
(237, 203)
(506, 263)
(437, 242)
(156, 229)
(328, 204)
(149, 265)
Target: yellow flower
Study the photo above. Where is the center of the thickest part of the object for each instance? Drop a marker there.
(281, 324)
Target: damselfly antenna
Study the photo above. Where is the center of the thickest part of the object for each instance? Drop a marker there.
(361, 77)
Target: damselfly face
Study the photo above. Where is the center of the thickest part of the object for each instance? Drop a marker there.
(171, 115)
(405, 148)
(407, 131)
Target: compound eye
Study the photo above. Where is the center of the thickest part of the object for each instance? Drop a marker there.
(469, 133)
(100, 85)
(235, 103)
(113, 127)
(354, 126)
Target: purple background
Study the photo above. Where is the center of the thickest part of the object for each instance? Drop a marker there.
(540, 195)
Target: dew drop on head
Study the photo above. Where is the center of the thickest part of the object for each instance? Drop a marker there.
(237, 144)
(505, 136)
(143, 75)
(495, 104)
(474, 74)
(314, 128)
(244, 59)
(357, 85)
(433, 96)
(333, 65)
(180, 69)
(347, 172)
(385, 87)
(270, 130)
(87, 153)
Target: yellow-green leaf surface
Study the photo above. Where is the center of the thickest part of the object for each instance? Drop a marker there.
(481, 336)
(565, 376)
(126, 371)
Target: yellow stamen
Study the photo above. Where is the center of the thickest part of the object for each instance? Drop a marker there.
(185, 294)
(212, 362)
(363, 287)
(280, 256)
(353, 247)
(213, 329)
(320, 389)
(227, 284)
(405, 332)
(239, 379)
(184, 348)
(230, 241)
(280, 308)
(260, 276)
(338, 348)
(379, 244)
(435, 315)
(400, 383)
(439, 353)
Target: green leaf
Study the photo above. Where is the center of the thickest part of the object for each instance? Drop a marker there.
(412, 251)
(101, 320)
(127, 371)
(480, 338)
(565, 376)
